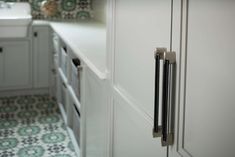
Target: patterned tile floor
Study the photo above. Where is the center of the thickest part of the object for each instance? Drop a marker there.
(31, 126)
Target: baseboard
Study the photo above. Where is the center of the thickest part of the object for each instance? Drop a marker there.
(20, 92)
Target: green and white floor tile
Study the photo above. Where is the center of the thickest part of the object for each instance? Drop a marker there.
(32, 126)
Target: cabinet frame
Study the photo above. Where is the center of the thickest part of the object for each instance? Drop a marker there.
(42, 52)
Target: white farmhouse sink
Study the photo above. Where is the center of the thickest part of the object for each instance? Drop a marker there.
(14, 19)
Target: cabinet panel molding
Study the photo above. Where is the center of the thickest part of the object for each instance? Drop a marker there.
(16, 66)
(206, 83)
(132, 132)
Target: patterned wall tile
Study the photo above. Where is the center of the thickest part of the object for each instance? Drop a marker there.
(67, 9)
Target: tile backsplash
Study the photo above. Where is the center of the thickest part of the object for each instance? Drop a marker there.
(67, 9)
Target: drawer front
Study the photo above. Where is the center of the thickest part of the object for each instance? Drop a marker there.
(76, 124)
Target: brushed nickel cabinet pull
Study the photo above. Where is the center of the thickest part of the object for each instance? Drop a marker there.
(169, 60)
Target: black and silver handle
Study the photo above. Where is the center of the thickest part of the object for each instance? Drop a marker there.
(165, 99)
(156, 127)
(166, 61)
(77, 63)
(1, 49)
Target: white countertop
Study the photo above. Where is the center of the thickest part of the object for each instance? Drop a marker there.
(87, 39)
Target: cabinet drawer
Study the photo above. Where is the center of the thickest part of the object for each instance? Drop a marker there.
(76, 124)
(74, 115)
(76, 72)
(62, 94)
(63, 60)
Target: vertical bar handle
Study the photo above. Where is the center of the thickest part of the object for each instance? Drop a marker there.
(157, 130)
(156, 100)
(168, 59)
(165, 99)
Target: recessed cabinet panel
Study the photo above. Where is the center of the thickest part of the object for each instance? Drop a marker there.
(15, 70)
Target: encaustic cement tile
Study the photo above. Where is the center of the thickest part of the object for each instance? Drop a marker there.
(32, 126)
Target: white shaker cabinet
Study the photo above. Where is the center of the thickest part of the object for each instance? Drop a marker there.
(140, 27)
(205, 126)
(42, 53)
(15, 64)
(202, 35)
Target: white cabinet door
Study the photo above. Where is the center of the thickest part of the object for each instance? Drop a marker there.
(16, 69)
(206, 99)
(41, 49)
(140, 27)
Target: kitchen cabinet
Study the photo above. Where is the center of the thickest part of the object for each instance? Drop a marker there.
(69, 92)
(86, 41)
(15, 65)
(42, 54)
(202, 35)
(140, 27)
(205, 94)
